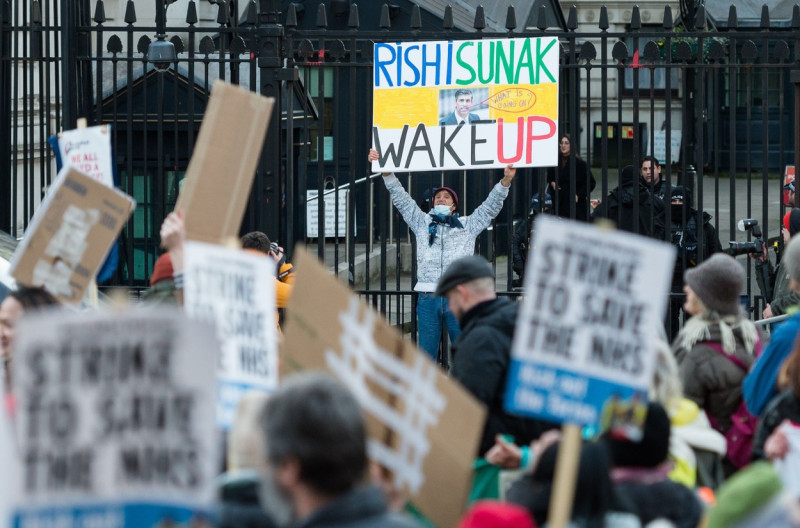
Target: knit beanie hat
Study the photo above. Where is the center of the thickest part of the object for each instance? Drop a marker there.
(496, 514)
(718, 283)
(449, 190)
(791, 221)
(745, 494)
(651, 450)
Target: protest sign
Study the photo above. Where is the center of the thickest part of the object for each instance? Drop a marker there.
(9, 463)
(115, 419)
(70, 235)
(218, 180)
(235, 291)
(423, 427)
(89, 151)
(659, 146)
(587, 328)
(471, 104)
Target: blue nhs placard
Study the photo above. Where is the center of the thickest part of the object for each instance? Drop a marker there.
(592, 310)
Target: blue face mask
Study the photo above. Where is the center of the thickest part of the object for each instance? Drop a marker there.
(443, 210)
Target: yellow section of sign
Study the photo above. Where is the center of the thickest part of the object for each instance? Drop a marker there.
(405, 106)
(511, 102)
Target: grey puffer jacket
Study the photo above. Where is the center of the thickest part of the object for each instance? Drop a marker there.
(710, 380)
(451, 243)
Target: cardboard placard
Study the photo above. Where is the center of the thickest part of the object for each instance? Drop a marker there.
(89, 151)
(218, 180)
(422, 426)
(235, 291)
(115, 419)
(472, 104)
(586, 332)
(70, 235)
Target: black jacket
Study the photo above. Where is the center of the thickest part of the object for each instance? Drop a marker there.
(481, 357)
(618, 206)
(663, 500)
(781, 407)
(363, 507)
(684, 236)
(239, 502)
(564, 194)
(521, 245)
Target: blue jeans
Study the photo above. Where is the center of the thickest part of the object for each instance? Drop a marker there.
(431, 311)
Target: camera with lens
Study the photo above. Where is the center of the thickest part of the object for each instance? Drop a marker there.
(756, 246)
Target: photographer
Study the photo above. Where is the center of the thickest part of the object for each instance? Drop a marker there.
(258, 242)
(782, 296)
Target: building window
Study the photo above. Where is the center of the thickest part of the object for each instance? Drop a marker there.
(655, 77)
(321, 141)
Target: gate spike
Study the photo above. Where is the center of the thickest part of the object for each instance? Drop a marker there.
(480, 19)
(36, 13)
(667, 18)
(541, 21)
(636, 18)
(572, 18)
(700, 20)
(191, 13)
(447, 19)
(733, 19)
(99, 12)
(603, 24)
(353, 21)
(511, 18)
(291, 16)
(252, 13)
(386, 20)
(416, 17)
(764, 17)
(796, 17)
(222, 13)
(130, 13)
(322, 17)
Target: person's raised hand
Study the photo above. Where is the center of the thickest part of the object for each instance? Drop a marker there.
(508, 174)
(173, 231)
(504, 454)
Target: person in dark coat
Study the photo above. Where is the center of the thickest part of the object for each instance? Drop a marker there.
(620, 207)
(640, 473)
(482, 353)
(316, 446)
(560, 181)
(684, 223)
(523, 233)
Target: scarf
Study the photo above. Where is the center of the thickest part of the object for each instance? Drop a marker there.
(697, 329)
(449, 220)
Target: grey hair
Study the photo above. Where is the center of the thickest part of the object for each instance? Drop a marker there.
(666, 387)
(315, 421)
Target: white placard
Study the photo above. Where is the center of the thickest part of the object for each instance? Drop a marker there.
(332, 228)
(235, 291)
(593, 307)
(660, 146)
(115, 418)
(10, 462)
(89, 151)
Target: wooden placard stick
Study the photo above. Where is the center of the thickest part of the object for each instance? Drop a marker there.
(569, 455)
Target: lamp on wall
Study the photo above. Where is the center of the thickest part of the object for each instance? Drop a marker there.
(161, 52)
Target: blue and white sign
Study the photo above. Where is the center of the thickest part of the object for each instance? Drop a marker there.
(234, 292)
(115, 420)
(593, 307)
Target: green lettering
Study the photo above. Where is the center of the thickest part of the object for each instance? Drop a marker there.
(526, 61)
(507, 63)
(465, 65)
(488, 78)
(540, 62)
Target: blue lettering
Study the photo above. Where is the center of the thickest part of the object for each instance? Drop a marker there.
(380, 65)
(411, 65)
(427, 64)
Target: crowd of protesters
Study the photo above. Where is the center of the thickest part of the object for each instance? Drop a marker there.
(724, 401)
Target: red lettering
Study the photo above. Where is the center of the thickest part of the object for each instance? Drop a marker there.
(500, 154)
(531, 138)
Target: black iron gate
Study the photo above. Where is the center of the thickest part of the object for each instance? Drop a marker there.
(624, 91)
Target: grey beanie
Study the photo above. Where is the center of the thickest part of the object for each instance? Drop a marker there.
(718, 283)
(791, 259)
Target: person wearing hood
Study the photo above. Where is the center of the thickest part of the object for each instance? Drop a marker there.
(560, 181)
(783, 297)
(631, 206)
(523, 233)
(686, 224)
(442, 237)
(716, 347)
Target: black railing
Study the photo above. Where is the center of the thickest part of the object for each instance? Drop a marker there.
(728, 94)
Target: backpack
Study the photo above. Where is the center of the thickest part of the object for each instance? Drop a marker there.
(743, 424)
